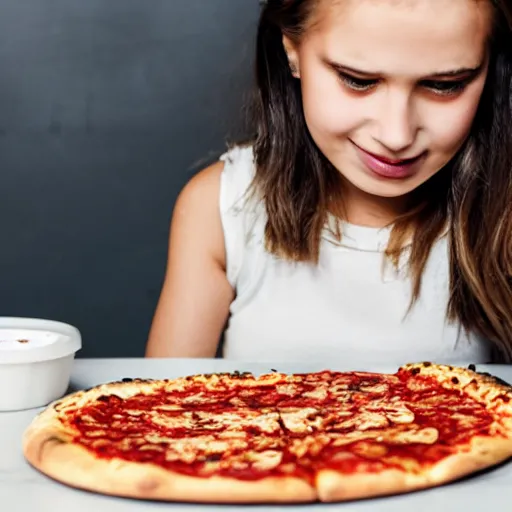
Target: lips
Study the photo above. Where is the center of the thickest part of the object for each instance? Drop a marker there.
(392, 162)
(386, 167)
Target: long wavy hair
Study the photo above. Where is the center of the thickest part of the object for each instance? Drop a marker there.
(472, 195)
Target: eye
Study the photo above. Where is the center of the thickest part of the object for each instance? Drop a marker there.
(356, 84)
(445, 88)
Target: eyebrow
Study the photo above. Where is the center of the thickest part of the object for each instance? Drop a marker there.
(442, 74)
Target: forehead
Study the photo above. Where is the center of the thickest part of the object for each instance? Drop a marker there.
(420, 36)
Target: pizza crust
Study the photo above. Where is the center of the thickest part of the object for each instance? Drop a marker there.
(482, 453)
(333, 486)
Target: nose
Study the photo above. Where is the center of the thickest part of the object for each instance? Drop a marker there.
(396, 123)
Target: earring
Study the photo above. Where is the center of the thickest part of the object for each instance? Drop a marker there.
(294, 71)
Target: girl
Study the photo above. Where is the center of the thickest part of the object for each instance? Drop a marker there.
(371, 216)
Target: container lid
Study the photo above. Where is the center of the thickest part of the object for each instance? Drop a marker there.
(31, 340)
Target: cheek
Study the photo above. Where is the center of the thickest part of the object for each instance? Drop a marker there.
(327, 109)
(450, 124)
(449, 129)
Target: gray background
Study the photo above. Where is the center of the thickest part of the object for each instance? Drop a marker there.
(107, 107)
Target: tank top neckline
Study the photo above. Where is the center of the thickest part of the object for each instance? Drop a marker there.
(364, 238)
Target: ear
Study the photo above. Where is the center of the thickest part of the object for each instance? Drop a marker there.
(293, 56)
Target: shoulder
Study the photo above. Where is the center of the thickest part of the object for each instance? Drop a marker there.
(196, 226)
(211, 200)
(203, 186)
(223, 182)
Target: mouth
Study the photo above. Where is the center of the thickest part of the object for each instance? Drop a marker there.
(390, 168)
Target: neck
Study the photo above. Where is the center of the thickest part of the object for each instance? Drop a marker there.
(364, 209)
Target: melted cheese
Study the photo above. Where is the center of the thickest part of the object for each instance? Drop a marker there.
(135, 413)
(265, 422)
(393, 435)
(365, 420)
(267, 443)
(168, 407)
(198, 398)
(301, 420)
(409, 465)
(232, 434)
(237, 401)
(158, 438)
(226, 421)
(176, 385)
(286, 389)
(403, 416)
(265, 460)
(129, 443)
(397, 411)
(318, 393)
(184, 448)
(339, 388)
(375, 388)
(95, 433)
(309, 444)
(370, 450)
(428, 435)
(184, 420)
(87, 418)
(152, 447)
(99, 443)
(351, 437)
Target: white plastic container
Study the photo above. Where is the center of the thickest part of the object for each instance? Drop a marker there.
(36, 358)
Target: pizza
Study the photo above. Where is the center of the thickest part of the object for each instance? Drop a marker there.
(236, 437)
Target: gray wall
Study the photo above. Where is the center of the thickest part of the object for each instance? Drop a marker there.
(107, 107)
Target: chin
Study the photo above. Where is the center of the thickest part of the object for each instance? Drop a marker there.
(383, 187)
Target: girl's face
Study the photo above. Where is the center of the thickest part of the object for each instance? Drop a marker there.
(390, 89)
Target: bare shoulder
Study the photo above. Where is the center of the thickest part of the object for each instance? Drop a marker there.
(197, 209)
(201, 191)
(204, 185)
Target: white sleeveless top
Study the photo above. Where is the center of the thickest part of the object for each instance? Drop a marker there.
(346, 308)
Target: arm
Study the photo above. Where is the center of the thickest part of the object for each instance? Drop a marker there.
(195, 297)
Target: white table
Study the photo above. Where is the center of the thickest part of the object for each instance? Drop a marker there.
(23, 489)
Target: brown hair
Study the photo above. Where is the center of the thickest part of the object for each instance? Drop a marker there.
(473, 192)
